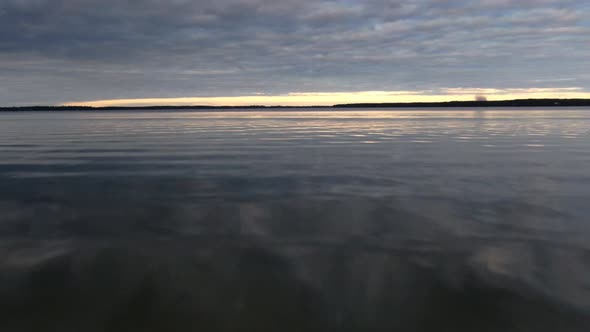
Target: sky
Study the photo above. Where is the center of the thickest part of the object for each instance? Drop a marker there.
(290, 52)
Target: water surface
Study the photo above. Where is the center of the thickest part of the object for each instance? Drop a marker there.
(299, 220)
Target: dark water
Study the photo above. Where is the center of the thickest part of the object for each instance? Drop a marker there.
(398, 220)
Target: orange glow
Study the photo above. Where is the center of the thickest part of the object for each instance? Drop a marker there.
(331, 98)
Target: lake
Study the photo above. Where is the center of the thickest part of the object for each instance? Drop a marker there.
(296, 220)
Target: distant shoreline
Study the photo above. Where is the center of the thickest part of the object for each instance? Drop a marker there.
(495, 103)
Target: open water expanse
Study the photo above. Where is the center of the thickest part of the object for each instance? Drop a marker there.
(296, 220)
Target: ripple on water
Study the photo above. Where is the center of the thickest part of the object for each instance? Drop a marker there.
(414, 220)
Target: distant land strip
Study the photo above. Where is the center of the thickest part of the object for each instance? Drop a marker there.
(493, 103)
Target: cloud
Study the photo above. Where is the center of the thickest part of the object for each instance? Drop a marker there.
(54, 51)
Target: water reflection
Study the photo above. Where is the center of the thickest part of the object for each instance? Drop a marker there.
(413, 220)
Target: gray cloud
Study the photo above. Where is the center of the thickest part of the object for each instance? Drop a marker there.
(54, 51)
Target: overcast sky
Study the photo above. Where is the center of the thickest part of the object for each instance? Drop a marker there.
(293, 51)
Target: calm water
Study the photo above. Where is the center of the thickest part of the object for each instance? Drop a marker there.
(394, 220)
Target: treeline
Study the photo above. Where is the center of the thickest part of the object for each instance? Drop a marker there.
(494, 103)
(130, 108)
(45, 108)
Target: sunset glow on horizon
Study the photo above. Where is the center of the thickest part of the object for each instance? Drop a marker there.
(333, 98)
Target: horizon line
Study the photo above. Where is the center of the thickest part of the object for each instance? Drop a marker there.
(355, 97)
(548, 101)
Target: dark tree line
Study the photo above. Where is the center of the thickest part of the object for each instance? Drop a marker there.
(483, 103)
(478, 103)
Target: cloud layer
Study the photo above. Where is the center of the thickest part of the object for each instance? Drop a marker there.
(57, 51)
